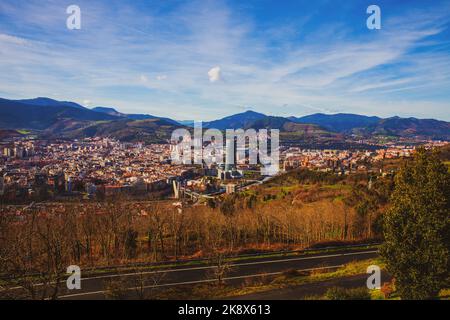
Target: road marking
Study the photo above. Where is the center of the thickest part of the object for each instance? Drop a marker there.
(231, 265)
(197, 281)
(212, 267)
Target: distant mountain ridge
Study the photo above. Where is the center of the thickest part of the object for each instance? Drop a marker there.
(114, 112)
(340, 122)
(42, 113)
(128, 130)
(20, 115)
(240, 120)
(47, 102)
(409, 127)
(70, 119)
(108, 110)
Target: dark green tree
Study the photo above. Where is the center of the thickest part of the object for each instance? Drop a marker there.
(417, 228)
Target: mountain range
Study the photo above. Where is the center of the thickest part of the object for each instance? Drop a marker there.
(341, 123)
(52, 118)
(114, 112)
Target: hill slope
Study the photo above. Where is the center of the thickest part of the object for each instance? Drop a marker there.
(236, 121)
(410, 127)
(42, 101)
(114, 112)
(127, 130)
(375, 126)
(341, 122)
(18, 115)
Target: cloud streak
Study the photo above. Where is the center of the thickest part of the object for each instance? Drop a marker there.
(153, 59)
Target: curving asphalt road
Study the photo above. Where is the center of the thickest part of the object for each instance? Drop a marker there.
(94, 287)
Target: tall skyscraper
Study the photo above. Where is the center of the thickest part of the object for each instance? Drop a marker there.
(229, 154)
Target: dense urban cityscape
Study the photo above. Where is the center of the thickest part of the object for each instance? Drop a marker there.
(33, 169)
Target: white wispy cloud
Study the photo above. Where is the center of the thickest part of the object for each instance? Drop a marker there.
(5, 39)
(148, 61)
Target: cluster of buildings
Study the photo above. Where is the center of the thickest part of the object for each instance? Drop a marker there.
(339, 161)
(34, 168)
(346, 161)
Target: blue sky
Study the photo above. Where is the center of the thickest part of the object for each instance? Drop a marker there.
(207, 59)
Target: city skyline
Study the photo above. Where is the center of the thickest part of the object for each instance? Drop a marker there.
(207, 60)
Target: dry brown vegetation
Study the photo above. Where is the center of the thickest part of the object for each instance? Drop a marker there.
(43, 240)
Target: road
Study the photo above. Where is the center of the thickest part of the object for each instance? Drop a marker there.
(309, 290)
(93, 287)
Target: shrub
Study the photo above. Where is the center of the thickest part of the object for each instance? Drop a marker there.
(387, 289)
